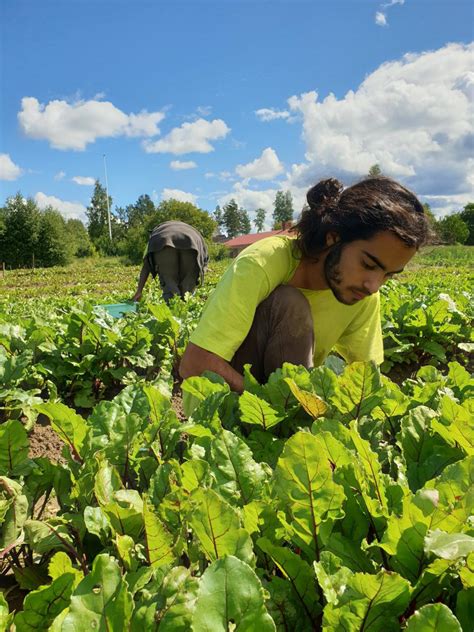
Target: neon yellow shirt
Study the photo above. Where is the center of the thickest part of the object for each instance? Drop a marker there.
(354, 331)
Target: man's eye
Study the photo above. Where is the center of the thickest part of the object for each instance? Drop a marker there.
(368, 266)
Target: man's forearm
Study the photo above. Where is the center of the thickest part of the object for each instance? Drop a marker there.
(196, 360)
(144, 274)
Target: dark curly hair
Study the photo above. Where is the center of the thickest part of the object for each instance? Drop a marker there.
(373, 205)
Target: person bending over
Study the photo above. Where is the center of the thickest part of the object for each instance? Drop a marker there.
(177, 253)
(294, 299)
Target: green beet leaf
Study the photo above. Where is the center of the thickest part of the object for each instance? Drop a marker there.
(449, 546)
(101, 601)
(369, 603)
(304, 486)
(42, 606)
(457, 427)
(13, 511)
(230, 597)
(70, 427)
(6, 619)
(217, 526)
(426, 452)
(465, 608)
(159, 541)
(300, 576)
(434, 617)
(359, 390)
(125, 513)
(13, 446)
(239, 478)
(256, 411)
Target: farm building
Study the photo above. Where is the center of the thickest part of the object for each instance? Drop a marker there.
(237, 244)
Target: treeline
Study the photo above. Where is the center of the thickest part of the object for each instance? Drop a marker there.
(30, 236)
(456, 228)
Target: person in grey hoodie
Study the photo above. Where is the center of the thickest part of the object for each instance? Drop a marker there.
(177, 253)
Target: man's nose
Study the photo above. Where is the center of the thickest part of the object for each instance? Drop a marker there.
(373, 283)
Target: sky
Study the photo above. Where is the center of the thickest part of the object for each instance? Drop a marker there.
(208, 100)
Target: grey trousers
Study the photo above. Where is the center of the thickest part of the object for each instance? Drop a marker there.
(282, 331)
(177, 270)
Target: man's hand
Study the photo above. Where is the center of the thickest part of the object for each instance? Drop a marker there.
(196, 360)
(136, 297)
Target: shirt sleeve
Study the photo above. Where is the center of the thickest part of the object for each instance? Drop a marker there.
(230, 309)
(362, 340)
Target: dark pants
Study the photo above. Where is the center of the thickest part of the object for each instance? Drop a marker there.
(177, 270)
(282, 331)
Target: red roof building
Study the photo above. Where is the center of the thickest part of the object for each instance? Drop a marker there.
(237, 244)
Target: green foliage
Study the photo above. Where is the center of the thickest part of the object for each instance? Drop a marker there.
(467, 216)
(97, 215)
(232, 219)
(283, 208)
(375, 170)
(19, 240)
(79, 237)
(184, 212)
(324, 499)
(453, 230)
(259, 220)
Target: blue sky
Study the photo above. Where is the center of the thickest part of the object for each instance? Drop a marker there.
(209, 100)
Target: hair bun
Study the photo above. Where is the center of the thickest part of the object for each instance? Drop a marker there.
(324, 195)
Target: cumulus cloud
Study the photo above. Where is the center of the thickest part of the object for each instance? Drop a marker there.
(8, 169)
(180, 165)
(177, 194)
(190, 137)
(414, 117)
(60, 175)
(69, 210)
(270, 114)
(84, 180)
(380, 19)
(266, 167)
(74, 125)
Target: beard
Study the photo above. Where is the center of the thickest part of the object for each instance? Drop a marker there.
(333, 274)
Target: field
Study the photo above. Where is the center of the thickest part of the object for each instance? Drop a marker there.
(339, 498)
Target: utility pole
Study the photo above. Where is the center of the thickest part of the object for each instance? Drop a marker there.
(107, 194)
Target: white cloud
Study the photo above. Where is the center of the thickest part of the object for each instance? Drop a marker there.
(204, 110)
(414, 117)
(177, 194)
(84, 180)
(60, 175)
(190, 137)
(8, 169)
(380, 19)
(69, 210)
(179, 165)
(266, 167)
(74, 125)
(270, 114)
(392, 2)
(249, 199)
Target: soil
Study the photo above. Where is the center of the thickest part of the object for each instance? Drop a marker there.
(45, 442)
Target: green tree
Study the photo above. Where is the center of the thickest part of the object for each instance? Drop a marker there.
(375, 170)
(139, 213)
(79, 238)
(245, 224)
(219, 217)
(55, 248)
(259, 220)
(19, 236)
(232, 219)
(98, 225)
(467, 216)
(282, 208)
(184, 212)
(453, 230)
